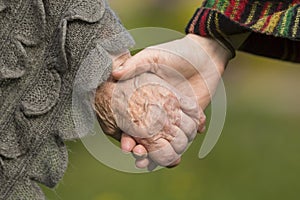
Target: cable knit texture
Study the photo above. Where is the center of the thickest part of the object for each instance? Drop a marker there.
(42, 45)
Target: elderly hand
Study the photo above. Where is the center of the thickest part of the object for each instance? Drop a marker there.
(154, 113)
(199, 60)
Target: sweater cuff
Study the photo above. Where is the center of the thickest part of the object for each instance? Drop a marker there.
(273, 35)
(207, 23)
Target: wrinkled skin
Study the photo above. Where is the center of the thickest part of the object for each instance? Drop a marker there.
(200, 60)
(153, 112)
(104, 110)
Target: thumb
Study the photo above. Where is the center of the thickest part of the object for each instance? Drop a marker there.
(134, 66)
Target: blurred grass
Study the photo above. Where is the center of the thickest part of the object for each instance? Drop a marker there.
(257, 156)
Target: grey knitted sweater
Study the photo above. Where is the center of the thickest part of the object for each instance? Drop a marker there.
(42, 45)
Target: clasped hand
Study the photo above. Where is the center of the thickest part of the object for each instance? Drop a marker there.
(156, 106)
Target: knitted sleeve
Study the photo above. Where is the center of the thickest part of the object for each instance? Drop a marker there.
(45, 46)
(274, 25)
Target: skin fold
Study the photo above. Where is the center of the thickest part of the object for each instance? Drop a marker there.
(153, 112)
(193, 63)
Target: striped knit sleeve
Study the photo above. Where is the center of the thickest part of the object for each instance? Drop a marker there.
(274, 25)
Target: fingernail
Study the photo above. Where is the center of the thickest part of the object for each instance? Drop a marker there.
(140, 156)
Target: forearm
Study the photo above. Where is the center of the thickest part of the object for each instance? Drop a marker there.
(219, 54)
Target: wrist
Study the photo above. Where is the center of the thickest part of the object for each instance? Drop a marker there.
(217, 53)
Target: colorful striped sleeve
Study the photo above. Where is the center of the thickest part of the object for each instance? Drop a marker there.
(274, 25)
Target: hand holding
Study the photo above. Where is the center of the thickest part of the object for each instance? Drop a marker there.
(199, 60)
(153, 112)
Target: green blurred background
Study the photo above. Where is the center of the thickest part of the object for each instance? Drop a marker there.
(257, 156)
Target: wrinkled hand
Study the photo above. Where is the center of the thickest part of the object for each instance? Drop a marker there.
(200, 61)
(159, 118)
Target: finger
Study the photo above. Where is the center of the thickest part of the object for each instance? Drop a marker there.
(190, 107)
(119, 59)
(127, 143)
(180, 140)
(142, 163)
(141, 155)
(136, 65)
(202, 123)
(164, 156)
(140, 152)
(188, 126)
(202, 130)
(174, 164)
(152, 165)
